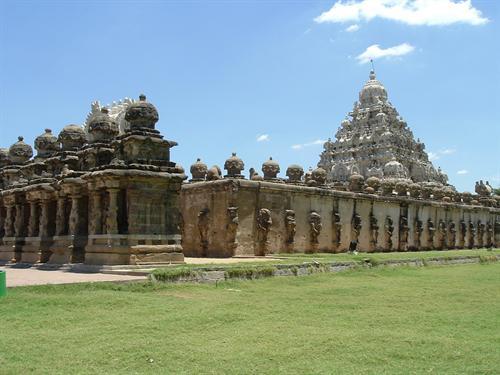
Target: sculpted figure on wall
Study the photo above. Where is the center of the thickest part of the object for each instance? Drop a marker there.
(373, 232)
(356, 227)
(389, 230)
(419, 228)
(264, 223)
(403, 233)
(462, 234)
(472, 234)
(489, 235)
(480, 233)
(203, 230)
(441, 234)
(290, 225)
(337, 229)
(232, 226)
(315, 227)
(452, 234)
(430, 233)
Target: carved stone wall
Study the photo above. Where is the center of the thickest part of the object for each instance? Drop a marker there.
(378, 223)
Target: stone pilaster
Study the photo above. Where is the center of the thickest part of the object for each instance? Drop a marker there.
(74, 215)
(95, 214)
(61, 216)
(9, 220)
(33, 223)
(111, 214)
(19, 221)
(43, 228)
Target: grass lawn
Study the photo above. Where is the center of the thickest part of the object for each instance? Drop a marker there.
(382, 320)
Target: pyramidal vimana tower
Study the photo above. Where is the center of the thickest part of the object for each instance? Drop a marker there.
(374, 141)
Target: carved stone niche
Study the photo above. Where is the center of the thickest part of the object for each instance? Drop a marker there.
(234, 165)
(264, 223)
(430, 233)
(214, 173)
(337, 229)
(356, 182)
(419, 228)
(451, 234)
(373, 232)
(373, 185)
(198, 171)
(388, 231)
(442, 234)
(232, 227)
(315, 227)
(356, 227)
(270, 169)
(403, 233)
(414, 190)
(204, 230)
(290, 226)
(294, 173)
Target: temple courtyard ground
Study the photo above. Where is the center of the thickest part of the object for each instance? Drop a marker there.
(433, 319)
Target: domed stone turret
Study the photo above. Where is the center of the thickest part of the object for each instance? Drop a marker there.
(319, 176)
(372, 92)
(199, 170)
(102, 127)
(270, 169)
(4, 157)
(394, 169)
(20, 152)
(294, 173)
(46, 144)
(142, 114)
(72, 137)
(234, 165)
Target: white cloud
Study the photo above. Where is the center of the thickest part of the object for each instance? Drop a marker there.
(411, 12)
(462, 171)
(313, 143)
(447, 151)
(263, 138)
(352, 28)
(433, 156)
(375, 52)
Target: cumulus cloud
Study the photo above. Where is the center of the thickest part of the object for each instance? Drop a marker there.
(448, 151)
(352, 28)
(462, 171)
(411, 12)
(313, 143)
(263, 138)
(433, 156)
(375, 52)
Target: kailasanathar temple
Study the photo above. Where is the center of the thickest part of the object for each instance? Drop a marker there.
(107, 192)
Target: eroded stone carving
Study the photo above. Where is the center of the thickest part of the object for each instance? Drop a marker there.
(419, 229)
(356, 227)
(290, 226)
(203, 230)
(430, 233)
(264, 222)
(337, 230)
(452, 234)
(441, 234)
(389, 230)
(315, 227)
(403, 233)
(373, 232)
(232, 226)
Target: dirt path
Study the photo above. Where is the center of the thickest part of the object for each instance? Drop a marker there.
(33, 276)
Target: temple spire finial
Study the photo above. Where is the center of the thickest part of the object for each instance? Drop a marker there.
(372, 72)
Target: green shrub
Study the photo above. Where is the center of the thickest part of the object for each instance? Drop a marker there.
(171, 274)
(248, 272)
(484, 259)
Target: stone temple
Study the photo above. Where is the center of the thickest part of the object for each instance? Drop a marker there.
(106, 193)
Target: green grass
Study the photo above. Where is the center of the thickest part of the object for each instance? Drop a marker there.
(369, 321)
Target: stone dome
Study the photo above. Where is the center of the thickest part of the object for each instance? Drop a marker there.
(372, 92)
(394, 169)
(234, 165)
(20, 152)
(72, 137)
(102, 127)
(270, 169)
(294, 173)
(46, 144)
(198, 170)
(142, 114)
(4, 157)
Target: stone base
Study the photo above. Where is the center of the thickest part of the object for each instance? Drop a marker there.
(67, 249)
(8, 249)
(133, 249)
(36, 250)
(145, 254)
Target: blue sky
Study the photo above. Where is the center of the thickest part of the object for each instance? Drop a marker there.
(224, 73)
